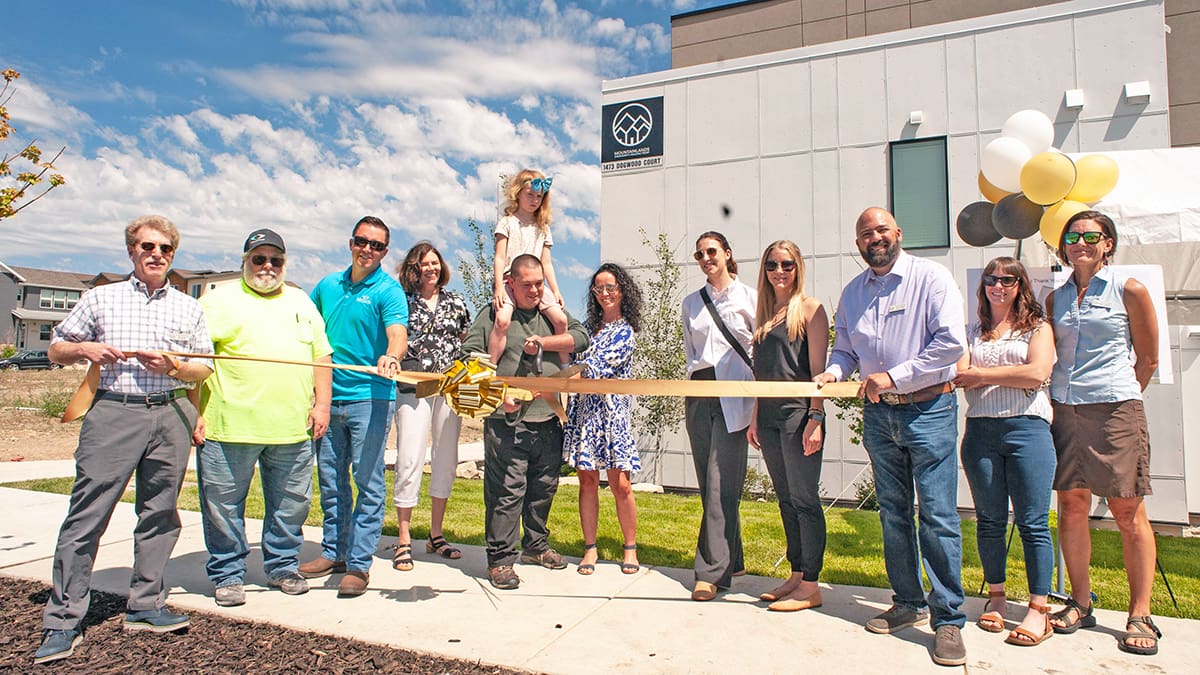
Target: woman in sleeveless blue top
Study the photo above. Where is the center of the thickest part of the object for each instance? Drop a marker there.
(1106, 339)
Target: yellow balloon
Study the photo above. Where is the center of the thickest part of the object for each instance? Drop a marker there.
(1047, 177)
(1055, 219)
(1097, 177)
(990, 192)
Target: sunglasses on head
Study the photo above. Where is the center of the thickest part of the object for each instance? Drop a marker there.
(1005, 281)
(149, 246)
(601, 289)
(363, 241)
(785, 265)
(1090, 238)
(709, 252)
(262, 259)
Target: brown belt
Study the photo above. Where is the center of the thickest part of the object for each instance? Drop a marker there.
(919, 396)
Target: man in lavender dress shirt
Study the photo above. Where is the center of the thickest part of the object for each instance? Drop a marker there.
(900, 324)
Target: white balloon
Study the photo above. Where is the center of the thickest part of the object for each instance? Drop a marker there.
(1002, 161)
(1032, 128)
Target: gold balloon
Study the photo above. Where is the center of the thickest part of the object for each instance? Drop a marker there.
(1097, 177)
(1047, 177)
(990, 192)
(1055, 219)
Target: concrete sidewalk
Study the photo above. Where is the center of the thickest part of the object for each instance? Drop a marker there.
(561, 622)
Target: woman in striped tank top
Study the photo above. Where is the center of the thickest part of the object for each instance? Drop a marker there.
(1007, 450)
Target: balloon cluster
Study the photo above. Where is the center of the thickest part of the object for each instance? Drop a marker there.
(1031, 187)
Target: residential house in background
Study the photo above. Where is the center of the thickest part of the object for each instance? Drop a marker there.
(35, 301)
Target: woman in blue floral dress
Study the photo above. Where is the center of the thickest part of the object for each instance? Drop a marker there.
(598, 435)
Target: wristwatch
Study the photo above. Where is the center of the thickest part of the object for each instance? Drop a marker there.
(818, 415)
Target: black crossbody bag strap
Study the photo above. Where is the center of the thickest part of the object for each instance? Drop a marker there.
(733, 342)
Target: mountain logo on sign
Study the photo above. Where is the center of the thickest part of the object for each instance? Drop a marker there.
(632, 124)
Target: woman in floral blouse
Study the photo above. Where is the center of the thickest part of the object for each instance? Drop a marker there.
(437, 322)
(598, 433)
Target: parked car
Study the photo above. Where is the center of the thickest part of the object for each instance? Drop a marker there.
(28, 360)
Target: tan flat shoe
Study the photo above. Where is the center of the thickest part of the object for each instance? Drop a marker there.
(796, 604)
(704, 591)
(781, 591)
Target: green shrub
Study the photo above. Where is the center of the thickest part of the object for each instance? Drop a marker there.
(758, 486)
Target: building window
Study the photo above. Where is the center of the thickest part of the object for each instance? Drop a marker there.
(46, 301)
(60, 299)
(920, 191)
(44, 332)
(72, 299)
(196, 290)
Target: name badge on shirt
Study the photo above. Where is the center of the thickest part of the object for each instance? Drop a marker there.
(897, 308)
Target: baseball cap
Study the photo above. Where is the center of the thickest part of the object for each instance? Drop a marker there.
(263, 237)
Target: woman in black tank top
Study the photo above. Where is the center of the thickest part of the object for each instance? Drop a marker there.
(790, 344)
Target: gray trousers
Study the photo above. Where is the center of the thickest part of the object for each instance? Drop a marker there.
(720, 459)
(117, 440)
(520, 477)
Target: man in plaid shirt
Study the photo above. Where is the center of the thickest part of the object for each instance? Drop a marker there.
(141, 421)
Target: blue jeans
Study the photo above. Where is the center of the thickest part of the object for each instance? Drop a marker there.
(1012, 457)
(353, 445)
(914, 444)
(224, 471)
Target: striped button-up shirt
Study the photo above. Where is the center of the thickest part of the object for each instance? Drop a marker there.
(129, 317)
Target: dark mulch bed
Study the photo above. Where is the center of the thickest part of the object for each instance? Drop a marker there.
(212, 644)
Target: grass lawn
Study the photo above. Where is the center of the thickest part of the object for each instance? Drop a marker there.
(667, 526)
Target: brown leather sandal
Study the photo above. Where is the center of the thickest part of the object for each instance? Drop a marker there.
(1024, 638)
(993, 621)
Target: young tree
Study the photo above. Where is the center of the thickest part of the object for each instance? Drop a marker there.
(659, 354)
(16, 193)
(476, 271)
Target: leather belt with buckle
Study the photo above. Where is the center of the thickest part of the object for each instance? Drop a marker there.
(148, 400)
(918, 396)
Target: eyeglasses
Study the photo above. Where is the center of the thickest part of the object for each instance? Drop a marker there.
(149, 246)
(785, 265)
(262, 259)
(1006, 281)
(710, 252)
(363, 241)
(602, 289)
(1090, 238)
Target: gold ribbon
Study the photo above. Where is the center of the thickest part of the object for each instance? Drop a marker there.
(472, 388)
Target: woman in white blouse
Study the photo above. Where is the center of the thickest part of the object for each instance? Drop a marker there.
(717, 427)
(1007, 450)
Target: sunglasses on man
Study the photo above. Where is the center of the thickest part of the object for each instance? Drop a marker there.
(363, 241)
(1090, 238)
(1005, 281)
(262, 260)
(149, 246)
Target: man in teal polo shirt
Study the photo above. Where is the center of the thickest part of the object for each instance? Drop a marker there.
(366, 318)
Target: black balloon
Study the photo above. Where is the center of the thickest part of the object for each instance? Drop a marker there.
(975, 224)
(1016, 217)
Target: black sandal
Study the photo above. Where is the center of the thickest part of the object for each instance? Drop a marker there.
(1084, 618)
(630, 568)
(403, 559)
(586, 569)
(440, 546)
(1146, 630)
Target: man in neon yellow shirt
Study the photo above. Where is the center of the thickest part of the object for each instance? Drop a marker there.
(260, 413)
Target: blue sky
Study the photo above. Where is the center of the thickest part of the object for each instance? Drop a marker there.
(303, 115)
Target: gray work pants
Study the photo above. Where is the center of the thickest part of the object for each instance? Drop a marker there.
(520, 477)
(115, 441)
